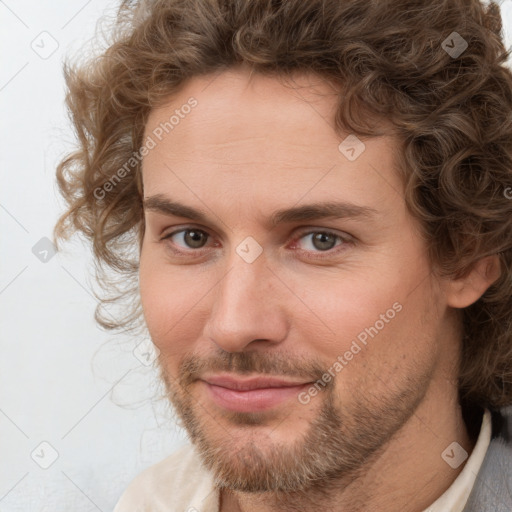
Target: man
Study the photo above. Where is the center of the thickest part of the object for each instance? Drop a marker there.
(320, 195)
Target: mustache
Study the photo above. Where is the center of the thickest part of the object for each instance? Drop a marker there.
(193, 366)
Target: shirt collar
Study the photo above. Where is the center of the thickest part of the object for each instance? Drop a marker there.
(455, 497)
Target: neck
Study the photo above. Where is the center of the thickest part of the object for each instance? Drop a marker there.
(408, 474)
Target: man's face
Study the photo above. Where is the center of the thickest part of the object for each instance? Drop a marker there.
(353, 295)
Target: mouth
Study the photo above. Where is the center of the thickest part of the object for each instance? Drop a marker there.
(251, 394)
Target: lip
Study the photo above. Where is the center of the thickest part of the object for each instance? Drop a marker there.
(227, 381)
(251, 394)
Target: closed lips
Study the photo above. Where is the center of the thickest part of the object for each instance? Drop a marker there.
(252, 383)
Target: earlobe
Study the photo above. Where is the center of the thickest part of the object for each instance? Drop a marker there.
(466, 290)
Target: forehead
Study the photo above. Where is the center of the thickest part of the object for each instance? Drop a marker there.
(248, 132)
(237, 90)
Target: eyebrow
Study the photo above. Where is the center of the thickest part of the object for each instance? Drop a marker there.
(331, 209)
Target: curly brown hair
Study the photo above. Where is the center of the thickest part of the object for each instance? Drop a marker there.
(389, 59)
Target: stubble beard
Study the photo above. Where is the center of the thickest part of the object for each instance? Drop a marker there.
(337, 447)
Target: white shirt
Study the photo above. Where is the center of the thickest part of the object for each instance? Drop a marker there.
(180, 483)
(455, 497)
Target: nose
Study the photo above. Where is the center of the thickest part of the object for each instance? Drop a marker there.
(247, 307)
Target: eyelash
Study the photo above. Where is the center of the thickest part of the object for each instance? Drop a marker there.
(322, 254)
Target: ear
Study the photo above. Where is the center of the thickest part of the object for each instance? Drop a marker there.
(466, 290)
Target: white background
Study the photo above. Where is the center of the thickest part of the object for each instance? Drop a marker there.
(58, 370)
(62, 380)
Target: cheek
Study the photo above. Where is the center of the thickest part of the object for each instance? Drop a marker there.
(158, 297)
(170, 305)
(377, 325)
(151, 290)
(344, 307)
(381, 356)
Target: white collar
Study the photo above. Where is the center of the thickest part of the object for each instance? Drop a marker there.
(455, 497)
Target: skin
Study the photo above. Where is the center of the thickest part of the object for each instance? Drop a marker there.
(372, 438)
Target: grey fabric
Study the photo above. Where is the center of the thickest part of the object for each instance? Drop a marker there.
(492, 491)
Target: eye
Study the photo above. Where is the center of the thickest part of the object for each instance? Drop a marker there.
(192, 240)
(322, 241)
